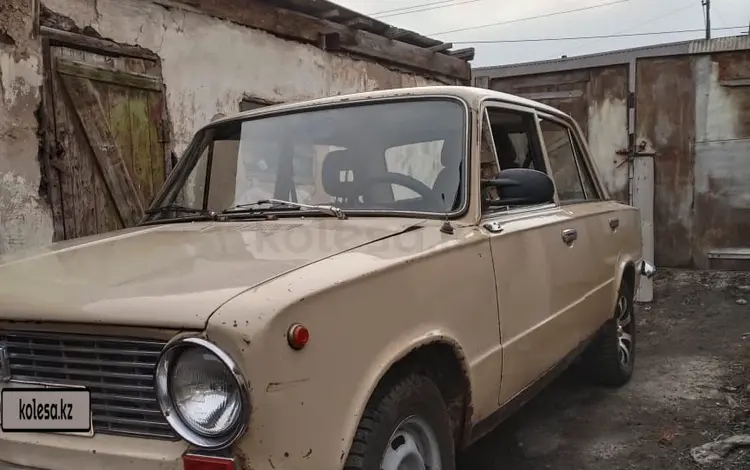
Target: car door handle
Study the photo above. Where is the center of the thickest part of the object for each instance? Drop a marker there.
(614, 223)
(569, 235)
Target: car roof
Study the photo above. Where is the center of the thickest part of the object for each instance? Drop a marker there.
(472, 95)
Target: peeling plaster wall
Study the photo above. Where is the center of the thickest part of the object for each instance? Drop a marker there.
(25, 218)
(209, 65)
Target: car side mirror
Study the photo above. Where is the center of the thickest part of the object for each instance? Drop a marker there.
(521, 186)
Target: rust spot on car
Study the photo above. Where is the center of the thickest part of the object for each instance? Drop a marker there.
(278, 386)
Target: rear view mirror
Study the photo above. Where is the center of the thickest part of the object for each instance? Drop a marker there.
(521, 186)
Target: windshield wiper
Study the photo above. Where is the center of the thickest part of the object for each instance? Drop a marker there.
(324, 208)
(178, 208)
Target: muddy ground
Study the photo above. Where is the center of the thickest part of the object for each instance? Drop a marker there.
(691, 386)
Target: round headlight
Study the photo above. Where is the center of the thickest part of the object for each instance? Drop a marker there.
(201, 393)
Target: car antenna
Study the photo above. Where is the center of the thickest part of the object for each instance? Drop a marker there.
(447, 227)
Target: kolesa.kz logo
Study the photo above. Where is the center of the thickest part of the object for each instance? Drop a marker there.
(40, 409)
(44, 411)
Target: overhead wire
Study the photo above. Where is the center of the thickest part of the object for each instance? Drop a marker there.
(528, 18)
(643, 23)
(417, 9)
(410, 7)
(601, 36)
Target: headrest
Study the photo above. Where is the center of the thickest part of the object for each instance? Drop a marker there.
(506, 151)
(339, 173)
(451, 154)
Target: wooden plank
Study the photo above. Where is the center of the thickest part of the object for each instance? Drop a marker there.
(552, 95)
(59, 37)
(735, 82)
(140, 135)
(293, 25)
(68, 150)
(158, 173)
(107, 217)
(440, 47)
(50, 154)
(103, 74)
(85, 176)
(93, 120)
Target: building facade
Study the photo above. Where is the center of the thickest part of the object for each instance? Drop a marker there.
(98, 98)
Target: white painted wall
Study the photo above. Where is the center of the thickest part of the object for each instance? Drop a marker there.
(24, 217)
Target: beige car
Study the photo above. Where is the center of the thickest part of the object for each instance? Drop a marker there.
(363, 282)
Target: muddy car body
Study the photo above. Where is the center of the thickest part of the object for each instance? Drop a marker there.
(370, 328)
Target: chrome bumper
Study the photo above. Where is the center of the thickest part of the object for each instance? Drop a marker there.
(646, 269)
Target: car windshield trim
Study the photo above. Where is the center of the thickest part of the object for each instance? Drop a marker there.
(203, 137)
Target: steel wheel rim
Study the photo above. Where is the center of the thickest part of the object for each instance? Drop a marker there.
(625, 327)
(413, 446)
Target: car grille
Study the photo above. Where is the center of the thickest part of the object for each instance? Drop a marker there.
(117, 371)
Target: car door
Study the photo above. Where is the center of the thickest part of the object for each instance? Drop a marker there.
(536, 253)
(595, 219)
(610, 222)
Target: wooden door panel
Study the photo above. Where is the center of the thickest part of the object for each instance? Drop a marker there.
(93, 121)
(109, 114)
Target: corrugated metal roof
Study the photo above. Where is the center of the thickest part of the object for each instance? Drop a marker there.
(330, 11)
(622, 56)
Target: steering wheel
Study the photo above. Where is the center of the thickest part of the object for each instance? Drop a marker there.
(406, 181)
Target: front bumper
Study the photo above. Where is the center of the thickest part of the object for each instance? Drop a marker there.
(36, 451)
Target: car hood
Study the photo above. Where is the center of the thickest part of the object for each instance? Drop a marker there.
(170, 276)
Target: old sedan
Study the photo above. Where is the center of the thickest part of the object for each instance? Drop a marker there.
(363, 282)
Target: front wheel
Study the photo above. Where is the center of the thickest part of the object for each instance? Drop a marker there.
(406, 426)
(610, 358)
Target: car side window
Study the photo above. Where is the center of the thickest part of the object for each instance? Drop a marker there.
(592, 193)
(562, 160)
(515, 138)
(509, 140)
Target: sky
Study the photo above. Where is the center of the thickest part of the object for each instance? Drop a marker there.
(441, 19)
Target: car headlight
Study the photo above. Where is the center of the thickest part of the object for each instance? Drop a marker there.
(201, 392)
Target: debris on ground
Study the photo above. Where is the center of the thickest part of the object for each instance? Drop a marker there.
(714, 452)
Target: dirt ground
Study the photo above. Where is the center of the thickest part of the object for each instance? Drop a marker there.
(691, 386)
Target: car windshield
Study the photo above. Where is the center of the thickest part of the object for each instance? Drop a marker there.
(393, 156)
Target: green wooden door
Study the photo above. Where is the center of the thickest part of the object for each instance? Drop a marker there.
(110, 159)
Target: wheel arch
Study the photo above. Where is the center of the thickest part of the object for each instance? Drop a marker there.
(626, 271)
(440, 358)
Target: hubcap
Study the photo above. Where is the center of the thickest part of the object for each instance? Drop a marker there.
(625, 327)
(413, 446)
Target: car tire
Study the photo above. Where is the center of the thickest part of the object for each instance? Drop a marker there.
(609, 360)
(407, 415)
